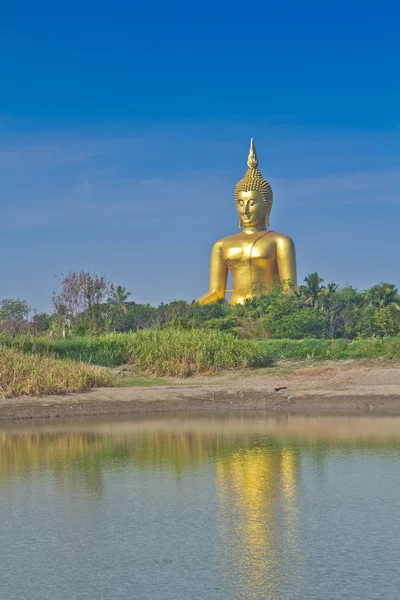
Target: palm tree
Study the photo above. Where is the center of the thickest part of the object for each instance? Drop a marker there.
(328, 302)
(326, 293)
(118, 299)
(383, 295)
(331, 288)
(312, 289)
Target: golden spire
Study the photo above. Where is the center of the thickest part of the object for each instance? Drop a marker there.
(252, 161)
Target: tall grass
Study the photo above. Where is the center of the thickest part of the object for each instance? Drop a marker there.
(187, 352)
(107, 351)
(331, 349)
(33, 375)
(168, 352)
(179, 353)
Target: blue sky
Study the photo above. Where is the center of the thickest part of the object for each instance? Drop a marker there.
(124, 128)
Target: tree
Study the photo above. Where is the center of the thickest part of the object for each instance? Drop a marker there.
(380, 322)
(312, 289)
(303, 323)
(16, 327)
(41, 323)
(136, 316)
(352, 308)
(119, 297)
(11, 309)
(117, 304)
(386, 321)
(383, 295)
(331, 307)
(72, 296)
(83, 294)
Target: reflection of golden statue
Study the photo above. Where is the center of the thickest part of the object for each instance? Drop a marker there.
(257, 257)
(257, 490)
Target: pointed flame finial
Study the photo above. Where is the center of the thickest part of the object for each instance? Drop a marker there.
(252, 161)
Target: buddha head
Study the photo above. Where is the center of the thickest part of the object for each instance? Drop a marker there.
(253, 195)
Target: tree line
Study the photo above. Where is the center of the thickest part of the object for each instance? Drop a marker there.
(88, 304)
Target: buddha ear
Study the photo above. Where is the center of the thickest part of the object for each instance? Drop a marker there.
(240, 224)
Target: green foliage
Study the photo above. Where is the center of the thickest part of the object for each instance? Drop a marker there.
(13, 309)
(187, 352)
(302, 323)
(108, 350)
(174, 352)
(309, 349)
(312, 322)
(384, 321)
(313, 310)
(81, 302)
(41, 323)
(89, 305)
(162, 352)
(382, 296)
(312, 290)
(229, 323)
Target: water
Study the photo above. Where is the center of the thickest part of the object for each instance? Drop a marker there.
(230, 507)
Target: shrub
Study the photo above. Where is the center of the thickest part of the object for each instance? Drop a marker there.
(304, 323)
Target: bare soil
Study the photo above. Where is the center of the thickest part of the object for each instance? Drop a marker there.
(334, 386)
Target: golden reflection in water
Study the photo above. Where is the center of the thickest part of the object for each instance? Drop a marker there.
(258, 502)
(245, 486)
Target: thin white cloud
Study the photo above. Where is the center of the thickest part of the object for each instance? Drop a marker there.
(95, 180)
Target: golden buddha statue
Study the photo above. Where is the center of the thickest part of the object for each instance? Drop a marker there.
(257, 257)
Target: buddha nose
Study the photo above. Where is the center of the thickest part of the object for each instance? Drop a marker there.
(247, 207)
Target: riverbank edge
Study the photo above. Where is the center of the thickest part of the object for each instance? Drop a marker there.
(71, 406)
(114, 401)
(332, 387)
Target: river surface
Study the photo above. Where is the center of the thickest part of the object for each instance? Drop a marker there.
(228, 507)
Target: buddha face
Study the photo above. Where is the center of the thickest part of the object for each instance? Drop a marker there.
(251, 208)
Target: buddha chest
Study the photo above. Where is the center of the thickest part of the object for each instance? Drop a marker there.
(248, 249)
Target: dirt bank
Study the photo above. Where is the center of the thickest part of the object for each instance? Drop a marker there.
(341, 387)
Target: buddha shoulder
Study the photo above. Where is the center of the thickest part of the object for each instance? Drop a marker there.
(279, 239)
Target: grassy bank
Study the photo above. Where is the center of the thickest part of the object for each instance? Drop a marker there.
(175, 353)
(330, 349)
(24, 374)
(180, 353)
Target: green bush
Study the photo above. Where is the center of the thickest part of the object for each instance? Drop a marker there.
(306, 322)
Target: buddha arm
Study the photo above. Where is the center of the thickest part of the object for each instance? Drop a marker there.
(218, 276)
(286, 259)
